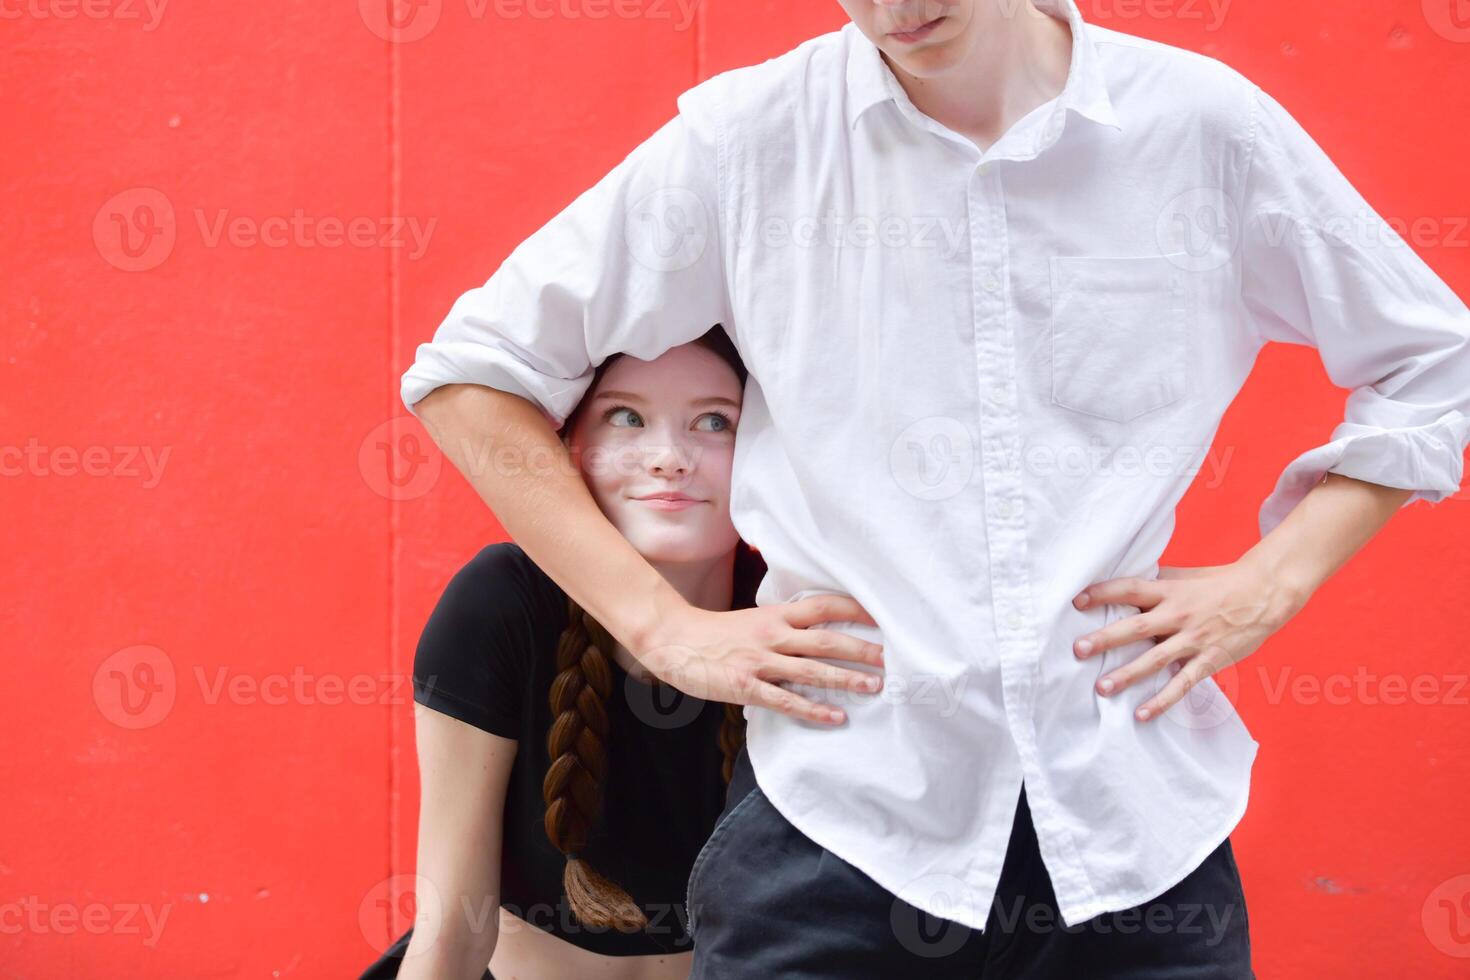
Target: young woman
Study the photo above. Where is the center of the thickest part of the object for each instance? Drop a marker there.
(565, 793)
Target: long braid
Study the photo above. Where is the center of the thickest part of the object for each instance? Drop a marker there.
(573, 785)
(577, 744)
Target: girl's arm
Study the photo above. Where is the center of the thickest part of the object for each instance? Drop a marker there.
(463, 774)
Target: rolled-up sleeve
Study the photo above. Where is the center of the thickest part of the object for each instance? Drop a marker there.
(633, 265)
(1320, 267)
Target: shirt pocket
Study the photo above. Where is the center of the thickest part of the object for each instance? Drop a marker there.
(1118, 334)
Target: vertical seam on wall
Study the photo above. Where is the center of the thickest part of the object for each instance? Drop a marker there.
(395, 200)
(699, 58)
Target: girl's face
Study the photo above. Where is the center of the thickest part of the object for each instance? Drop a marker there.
(664, 427)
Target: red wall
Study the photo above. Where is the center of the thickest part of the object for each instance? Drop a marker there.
(221, 540)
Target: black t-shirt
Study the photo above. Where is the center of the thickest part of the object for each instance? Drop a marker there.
(487, 657)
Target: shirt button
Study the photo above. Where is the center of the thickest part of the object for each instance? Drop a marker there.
(1004, 508)
(1014, 621)
(998, 394)
(986, 169)
(990, 282)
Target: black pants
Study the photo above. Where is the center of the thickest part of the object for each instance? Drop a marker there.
(387, 965)
(766, 901)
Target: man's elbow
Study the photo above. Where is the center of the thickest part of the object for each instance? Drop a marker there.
(450, 406)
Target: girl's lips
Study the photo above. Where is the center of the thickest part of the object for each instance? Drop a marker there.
(658, 503)
(919, 33)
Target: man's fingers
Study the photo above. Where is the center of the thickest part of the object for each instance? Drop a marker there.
(1124, 631)
(1159, 656)
(767, 695)
(831, 644)
(827, 609)
(814, 673)
(1194, 670)
(1145, 593)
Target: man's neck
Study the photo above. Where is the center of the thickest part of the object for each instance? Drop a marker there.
(1018, 59)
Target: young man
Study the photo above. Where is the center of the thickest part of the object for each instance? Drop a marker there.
(996, 275)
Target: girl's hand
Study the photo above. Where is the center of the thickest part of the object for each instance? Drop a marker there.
(743, 655)
(1207, 618)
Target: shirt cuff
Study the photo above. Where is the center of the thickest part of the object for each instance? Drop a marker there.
(1427, 459)
(474, 363)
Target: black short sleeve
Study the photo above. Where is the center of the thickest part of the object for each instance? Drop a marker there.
(473, 658)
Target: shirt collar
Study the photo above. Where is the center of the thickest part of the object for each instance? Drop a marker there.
(870, 80)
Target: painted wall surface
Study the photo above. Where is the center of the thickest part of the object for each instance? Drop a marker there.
(227, 226)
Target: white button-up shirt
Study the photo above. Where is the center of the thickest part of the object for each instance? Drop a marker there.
(978, 383)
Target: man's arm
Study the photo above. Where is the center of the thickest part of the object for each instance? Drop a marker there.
(1330, 524)
(513, 458)
(1319, 268)
(633, 265)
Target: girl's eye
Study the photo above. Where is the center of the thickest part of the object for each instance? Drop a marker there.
(720, 418)
(615, 412)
